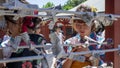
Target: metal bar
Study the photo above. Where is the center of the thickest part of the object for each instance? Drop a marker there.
(23, 15)
(2, 12)
(96, 51)
(64, 11)
(20, 59)
(79, 44)
(51, 10)
(7, 11)
(50, 45)
(60, 11)
(40, 57)
(114, 15)
(36, 46)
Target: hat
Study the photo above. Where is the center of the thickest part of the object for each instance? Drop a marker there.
(87, 15)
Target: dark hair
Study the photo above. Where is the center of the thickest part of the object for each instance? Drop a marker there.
(10, 19)
(56, 27)
(34, 20)
(79, 20)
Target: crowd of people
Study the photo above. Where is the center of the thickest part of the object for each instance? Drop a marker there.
(27, 30)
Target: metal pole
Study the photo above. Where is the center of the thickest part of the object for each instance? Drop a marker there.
(79, 44)
(67, 54)
(3, 12)
(94, 51)
(20, 59)
(50, 46)
(59, 11)
(114, 15)
(35, 46)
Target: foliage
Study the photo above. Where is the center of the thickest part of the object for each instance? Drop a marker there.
(48, 5)
(68, 5)
(72, 3)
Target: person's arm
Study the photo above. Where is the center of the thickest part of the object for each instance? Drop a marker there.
(67, 63)
(52, 38)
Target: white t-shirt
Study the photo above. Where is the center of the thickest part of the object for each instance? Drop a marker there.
(60, 36)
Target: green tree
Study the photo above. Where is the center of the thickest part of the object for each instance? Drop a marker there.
(48, 5)
(72, 3)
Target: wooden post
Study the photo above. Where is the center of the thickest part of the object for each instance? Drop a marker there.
(2, 1)
(1, 33)
(113, 7)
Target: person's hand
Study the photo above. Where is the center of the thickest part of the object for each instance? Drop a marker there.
(71, 56)
(80, 49)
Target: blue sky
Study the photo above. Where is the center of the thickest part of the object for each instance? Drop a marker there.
(40, 3)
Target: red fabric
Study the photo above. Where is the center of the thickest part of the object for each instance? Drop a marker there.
(27, 65)
(36, 12)
(2, 33)
(27, 22)
(24, 44)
